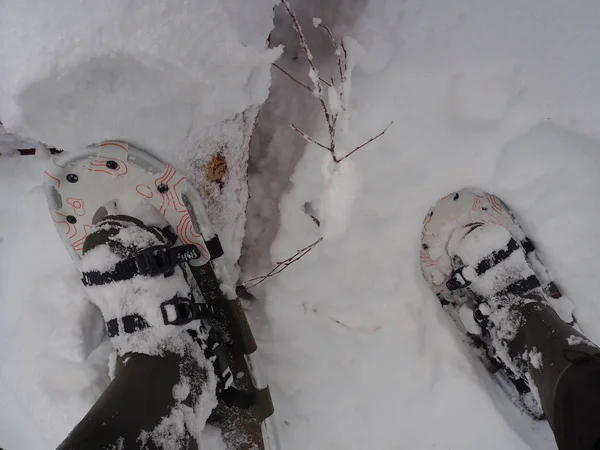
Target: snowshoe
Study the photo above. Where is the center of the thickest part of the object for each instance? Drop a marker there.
(482, 267)
(100, 182)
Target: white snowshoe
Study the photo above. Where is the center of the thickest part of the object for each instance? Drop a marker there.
(480, 263)
(84, 186)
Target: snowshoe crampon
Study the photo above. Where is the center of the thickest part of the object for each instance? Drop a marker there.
(86, 185)
(499, 250)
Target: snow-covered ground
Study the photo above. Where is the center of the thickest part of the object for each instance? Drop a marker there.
(500, 95)
(181, 79)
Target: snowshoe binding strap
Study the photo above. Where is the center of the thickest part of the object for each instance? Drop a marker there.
(496, 257)
(521, 287)
(257, 399)
(177, 311)
(151, 261)
(458, 280)
(131, 324)
(181, 311)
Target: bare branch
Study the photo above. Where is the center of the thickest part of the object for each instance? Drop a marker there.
(326, 82)
(293, 78)
(338, 51)
(345, 56)
(281, 266)
(308, 138)
(366, 143)
(328, 31)
(314, 75)
(318, 82)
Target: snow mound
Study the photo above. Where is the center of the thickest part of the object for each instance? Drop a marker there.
(181, 79)
(498, 95)
(154, 73)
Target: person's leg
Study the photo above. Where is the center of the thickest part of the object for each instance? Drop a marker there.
(166, 382)
(137, 400)
(567, 376)
(486, 274)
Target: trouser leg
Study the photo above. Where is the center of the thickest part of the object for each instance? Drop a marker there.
(568, 379)
(135, 404)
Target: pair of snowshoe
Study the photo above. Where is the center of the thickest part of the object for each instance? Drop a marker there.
(474, 254)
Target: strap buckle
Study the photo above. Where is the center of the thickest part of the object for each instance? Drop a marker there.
(457, 280)
(163, 259)
(179, 311)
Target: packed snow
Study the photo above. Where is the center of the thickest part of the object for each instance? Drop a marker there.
(181, 79)
(499, 95)
(535, 358)
(577, 340)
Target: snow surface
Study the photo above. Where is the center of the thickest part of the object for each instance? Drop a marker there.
(181, 79)
(500, 95)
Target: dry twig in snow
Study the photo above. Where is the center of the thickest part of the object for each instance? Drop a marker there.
(331, 117)
(313, 74)
(281, 266)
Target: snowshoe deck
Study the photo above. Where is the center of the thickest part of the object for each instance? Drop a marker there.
(79, 186)
(470, 209)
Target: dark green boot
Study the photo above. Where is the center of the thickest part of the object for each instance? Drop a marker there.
(166, 384)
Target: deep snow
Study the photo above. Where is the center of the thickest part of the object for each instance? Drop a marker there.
(500, 95)
(181, 79)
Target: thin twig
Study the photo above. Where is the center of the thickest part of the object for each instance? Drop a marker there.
(338, 51)
(281, 266)
(308, 138)
(366, 143)
(293, 78)
(314, 76)
(326, 82)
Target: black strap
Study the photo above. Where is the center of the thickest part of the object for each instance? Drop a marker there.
(169, 234)
(521, 287)
(496, 257)
(238, 398)
(181, 311)
(214, 247)
(527, 245)
(457, 279)
(131, 324)
(151, 261)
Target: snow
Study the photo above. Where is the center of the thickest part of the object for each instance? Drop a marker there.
(9, 142)
(181, 79)
(480, 244)
(500, 95)
(139, 295)
(342, 183)
(155, 73)
(468, 321)
(578, 340)
(535, 358)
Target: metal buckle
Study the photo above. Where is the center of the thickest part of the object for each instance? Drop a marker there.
(457, 280)
(163, 259)
(182, 308)
(155, 260)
